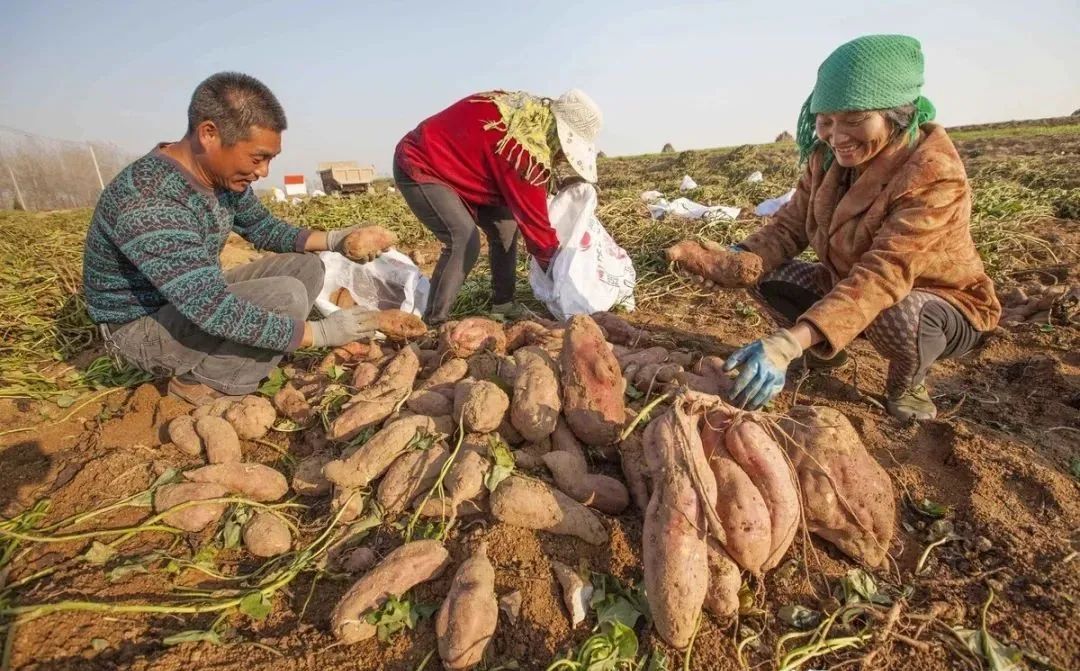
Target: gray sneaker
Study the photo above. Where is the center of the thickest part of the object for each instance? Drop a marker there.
(913, 404)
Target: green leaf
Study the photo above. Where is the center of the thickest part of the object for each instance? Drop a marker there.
(234, 525)
(397, 614)
(504, 463)
(860, 586)
(99, 554)
(615, 603)
(422, 440)
(193, 636)
(1074, 467)
(931, 509)
(205, 556)
(999, 657)
(256, 605)
(658, 661)
(124, 570)
(799, 617)
(632, 393)
(273, 383)
(65, 401)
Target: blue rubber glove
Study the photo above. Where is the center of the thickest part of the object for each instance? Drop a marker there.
(762, 366)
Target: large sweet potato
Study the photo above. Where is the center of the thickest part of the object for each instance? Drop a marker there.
(643, 357)
(471, 335)
(359, 416)
(195, 517)
(395, 381)
(220, 439)
(604, 493)
(291, 403)
(398, 325)
(524, 333)
(255, 481)
(398, 572)
(449, 373)
(410, 474)
(848, 497)
(621, 332)
(266, 535)
(376, 455)
(534, 505)
(365, 374)
(480, 405)
(364, 244)
(535, 407)
(465, 623)
(765, 462)
(308, 478)
(722, 599)
(430, 403)
(592, 384)
(733, 270)
(252, 416)
(182, 434)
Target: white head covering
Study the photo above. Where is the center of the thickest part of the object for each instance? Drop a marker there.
(578, 121)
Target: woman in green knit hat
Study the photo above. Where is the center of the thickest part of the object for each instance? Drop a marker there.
(885, 204)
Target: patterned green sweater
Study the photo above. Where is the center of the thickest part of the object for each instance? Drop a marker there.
(156, 238)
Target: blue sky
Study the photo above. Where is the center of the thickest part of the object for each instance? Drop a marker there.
(355, 76)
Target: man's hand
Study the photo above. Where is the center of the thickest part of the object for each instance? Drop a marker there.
(343, 326)
(762, 367)
(335, 240)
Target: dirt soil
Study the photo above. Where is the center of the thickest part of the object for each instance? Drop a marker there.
(999, 457)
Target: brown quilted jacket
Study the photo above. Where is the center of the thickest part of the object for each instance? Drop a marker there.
(902, 225)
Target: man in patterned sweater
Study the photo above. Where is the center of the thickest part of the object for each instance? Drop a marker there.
(152, 272)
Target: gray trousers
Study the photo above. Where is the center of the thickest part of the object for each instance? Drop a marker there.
(166, 344)
(443, 213)
(912, 334)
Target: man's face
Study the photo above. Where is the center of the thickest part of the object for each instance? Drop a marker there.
(237, 166)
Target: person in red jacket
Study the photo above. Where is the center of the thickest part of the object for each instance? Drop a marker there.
(487, 163)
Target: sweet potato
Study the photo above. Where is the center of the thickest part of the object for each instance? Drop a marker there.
(509, 434)
(722, 599)
(481, 405)
(621, 332)
(215, 409)
(397, 573)
(364, 244)
(465, 623)
(265, 535)
(592, 384)
(343, 298)
(655, 375)
(308, 479)
(680, 358)
(632, 460)
(442, 507)
(413, 472)
(643, 357)
(606, 494)
(292, 404)
(350, 353)
(182, 434)
(575, 592)
(430, 403)
(364, 375)
(357, 417)
(492, 366)
(848, 498)
(357, 560)
(471, 335)
(465, 480)
(739, 505)
(254, 481)
(395, 381)
(731, 270)
(349, 501)
(251, 416)
(674, 552)
(564, 440)
(536, 404)
(376, 455)
(449, 373)
(399, 326)
(191, 518)
(767, 465)
(524, 333)
(534, 505)
(219, 438)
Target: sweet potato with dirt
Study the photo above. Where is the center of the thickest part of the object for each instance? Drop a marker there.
(675, 557)
(350, 353)
(251, 416)
(343, 298)
(254, 481)
(356, 560)
(464, 338)
(349, 503)
(655, 375)
(564, 440)
(289, 402)
(220, 440)
(498, 368)
(182, 434)
(398, 572)
(622, 332)
(480, 405)
(308, 479)
(430, 403)
(536, 404)
(215, 409)
(465, 623)
(449, 373)
(399, 326)
(413, 472)
(725, 580)
(643, 357)
(604, 493)
(395, 381)
(364, 375)
(592, 384)
(359, 416)
(725, 268)
(848, 498)
(509, 434)
(375, 456)
(635, 471)
(532, 504)
(364, 244)
(190, 518)
(765, 462)
(266, 535)
(524, 333)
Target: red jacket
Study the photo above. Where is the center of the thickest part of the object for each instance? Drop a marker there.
(452, 148)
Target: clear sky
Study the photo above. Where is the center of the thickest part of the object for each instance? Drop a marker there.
(355, 76)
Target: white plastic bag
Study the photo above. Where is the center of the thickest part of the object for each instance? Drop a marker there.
(771, 206)
(688, 183)
(590, 273)
(390, 281)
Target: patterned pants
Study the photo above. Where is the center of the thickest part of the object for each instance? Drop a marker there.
(912, 334)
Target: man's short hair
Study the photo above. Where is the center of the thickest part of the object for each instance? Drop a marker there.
(235, 102)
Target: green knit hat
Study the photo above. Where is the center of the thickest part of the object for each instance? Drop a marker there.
(868, 73)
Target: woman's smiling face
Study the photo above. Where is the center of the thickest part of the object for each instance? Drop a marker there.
(854, 137)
